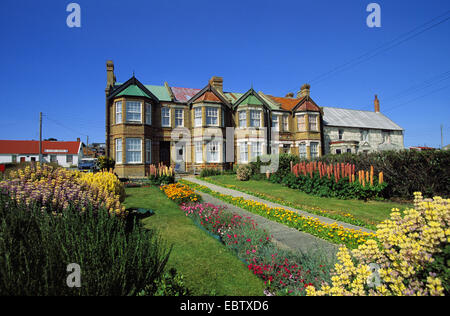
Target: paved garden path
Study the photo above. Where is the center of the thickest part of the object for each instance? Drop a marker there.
(284, 236)
(246, 196)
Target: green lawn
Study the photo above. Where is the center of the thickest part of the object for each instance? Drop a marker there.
(207, 266)
(371, 212)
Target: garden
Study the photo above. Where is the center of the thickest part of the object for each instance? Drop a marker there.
(51, 217)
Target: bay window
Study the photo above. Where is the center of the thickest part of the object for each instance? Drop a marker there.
(133, 150)
(314, 149)
(198, 152)
(301, 122)
(133, 111)
(165, 117)
(212, 115)
(212, 151)
(118, 112)
(118, 150)
(312, 118)
(198, 117)
(243, 152)
(242, 119)
(302, 150)
(256, 150)
(255, 118)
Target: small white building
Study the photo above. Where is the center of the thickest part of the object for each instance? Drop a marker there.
(65, 154)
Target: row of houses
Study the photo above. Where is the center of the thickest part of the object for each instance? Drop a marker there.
(194, 127)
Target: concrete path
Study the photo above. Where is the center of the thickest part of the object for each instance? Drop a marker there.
(246, 196)
(284, 236)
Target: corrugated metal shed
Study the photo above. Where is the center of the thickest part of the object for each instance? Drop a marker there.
(357, 118)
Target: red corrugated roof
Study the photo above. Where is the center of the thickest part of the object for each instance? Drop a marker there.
(184, 94)
(32, 147)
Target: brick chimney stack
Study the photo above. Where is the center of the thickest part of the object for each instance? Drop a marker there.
(110, 77)
(377, 104)
(217, 83)
(304, 91)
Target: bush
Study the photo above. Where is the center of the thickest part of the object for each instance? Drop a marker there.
(209, 172)
(161, 175)
(411, 258)
(105, 163)
(405, 171)
(36, 247)
(244, 172)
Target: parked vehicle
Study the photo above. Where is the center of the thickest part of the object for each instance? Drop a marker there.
(88, 164)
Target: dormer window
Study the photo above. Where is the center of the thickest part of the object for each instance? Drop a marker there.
(133, 111)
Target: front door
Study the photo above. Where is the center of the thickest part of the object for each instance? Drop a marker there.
(164, 153)
(180, 160)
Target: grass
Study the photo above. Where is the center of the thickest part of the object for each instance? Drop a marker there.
(207, 266)
(370, 212)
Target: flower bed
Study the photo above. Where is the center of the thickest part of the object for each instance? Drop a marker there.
(180, 193)
(281, 271)
(56, 189)
(341, 216)
(411, 258)
(331, 232)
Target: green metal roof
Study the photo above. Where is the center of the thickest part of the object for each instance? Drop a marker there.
(133, 90)
(251, 100)
(160, 92)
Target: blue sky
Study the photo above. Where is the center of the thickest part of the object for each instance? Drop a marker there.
(276, 46)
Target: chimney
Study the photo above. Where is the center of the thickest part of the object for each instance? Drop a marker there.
(110, 77)
(290, 95)
(217, 83)
(78, 139)
(304, 91)
(377, 104)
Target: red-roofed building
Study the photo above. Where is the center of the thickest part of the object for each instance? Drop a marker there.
(65, 154)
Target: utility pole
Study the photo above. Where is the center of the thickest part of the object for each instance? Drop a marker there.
(87, 141)
(40, 137)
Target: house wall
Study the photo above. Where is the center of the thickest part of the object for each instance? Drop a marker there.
(331, 134)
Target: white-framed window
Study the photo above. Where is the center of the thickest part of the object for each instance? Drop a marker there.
(148, 151)
(243, 148)
(312, 119)
(198, 152)
(179, 117)
(165, 117)
(119, 150)
(255, 118)
(275, 123)
(314, 149)
(133, 111)
(301, 122)
(242, 119)
(256, 150)
(119, 112)
(365, 135)
(302, 150)
(69, 158)
(198, 117)
(285, 123)
(212, 116)
(148, 113)
(134, 150)
(212, 151)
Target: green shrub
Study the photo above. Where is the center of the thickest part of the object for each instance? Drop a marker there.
(405, 171)
(104, 162)
(115, 257)
(209, 172)
(244, 172)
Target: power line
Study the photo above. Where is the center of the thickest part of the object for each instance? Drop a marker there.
(387, 46)
(64, 126)
(417, 87)
(410, 101)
